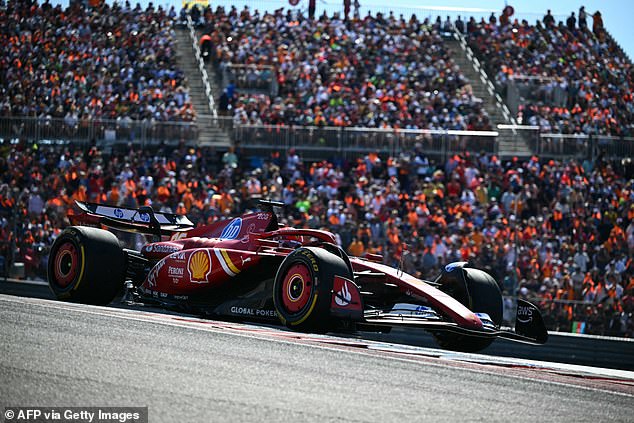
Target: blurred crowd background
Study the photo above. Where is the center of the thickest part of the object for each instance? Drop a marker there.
(560, 233)
(394, 71)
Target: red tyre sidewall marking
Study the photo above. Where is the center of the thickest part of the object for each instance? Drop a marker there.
(66, 251)
(298, 272)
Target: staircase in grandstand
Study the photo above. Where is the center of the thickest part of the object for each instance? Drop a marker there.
(211, 135)
(509, 143)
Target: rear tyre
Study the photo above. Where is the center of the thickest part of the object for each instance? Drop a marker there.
(302, 290)
(86, 265)
(483, 296)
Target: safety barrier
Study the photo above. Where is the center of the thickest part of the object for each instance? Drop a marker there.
(571, 348)
(101, 131)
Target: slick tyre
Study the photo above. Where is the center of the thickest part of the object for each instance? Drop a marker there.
(484, 296)
(86, 265)
(302, 290)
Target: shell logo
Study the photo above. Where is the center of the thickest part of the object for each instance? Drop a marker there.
(199, 266)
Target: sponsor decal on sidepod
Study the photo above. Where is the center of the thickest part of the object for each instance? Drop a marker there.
(162, 248)
(177, 272)
(151, 278)
(247, 311)
(343, 297)
(199, 266)
(232, 230)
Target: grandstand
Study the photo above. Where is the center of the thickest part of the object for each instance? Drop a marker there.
(392, 130)
(501, 103)
(403, 79)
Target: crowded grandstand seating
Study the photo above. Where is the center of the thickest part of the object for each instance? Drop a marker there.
(575, 80)
(111, 62)
(375, 72)
(567, 227)
(558, 232)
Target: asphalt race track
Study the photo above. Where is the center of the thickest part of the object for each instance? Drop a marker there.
(188, 369)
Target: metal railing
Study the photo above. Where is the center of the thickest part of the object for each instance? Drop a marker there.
(102, 131)
(522, 89)
(251, 78)
(569, 145)
(316, 142)
(201, 67)
(348, 142)
(376, 6)
(566, 146)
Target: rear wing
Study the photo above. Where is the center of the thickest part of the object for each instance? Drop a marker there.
(142, 220)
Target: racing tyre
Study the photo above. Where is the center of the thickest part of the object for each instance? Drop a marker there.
(483, 296)
(303, 285)
(86, 265)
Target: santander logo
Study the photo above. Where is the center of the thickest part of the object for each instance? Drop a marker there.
(343, 297)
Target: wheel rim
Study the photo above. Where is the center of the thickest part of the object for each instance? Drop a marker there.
(66, 263)
(296, 288)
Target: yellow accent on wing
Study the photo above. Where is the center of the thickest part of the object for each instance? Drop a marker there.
(228, 261)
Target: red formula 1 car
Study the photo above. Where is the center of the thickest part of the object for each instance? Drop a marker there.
(252, 268)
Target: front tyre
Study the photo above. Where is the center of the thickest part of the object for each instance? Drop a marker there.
(482, 296)
(303, 285)
(86, 265)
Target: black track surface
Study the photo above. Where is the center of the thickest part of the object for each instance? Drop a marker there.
(54, 354)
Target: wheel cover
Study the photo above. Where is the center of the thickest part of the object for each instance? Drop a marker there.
(296, 288)
(66, 264)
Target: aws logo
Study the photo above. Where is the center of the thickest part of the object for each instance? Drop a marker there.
(232, 230)
(199, 266)
(524, 314)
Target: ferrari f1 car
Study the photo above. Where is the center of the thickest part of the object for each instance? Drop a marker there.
(253, 268)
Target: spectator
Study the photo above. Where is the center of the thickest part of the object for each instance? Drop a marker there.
(597, 24)
(230, 158)
(549, 20)
(492, 19)
(459, 25)
(583, 24)
(450, 215)
(82, 65)
(571, 22)
(368, 73)
(356, 247)
(559, 74)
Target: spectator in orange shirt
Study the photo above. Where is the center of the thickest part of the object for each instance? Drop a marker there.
(356, 247)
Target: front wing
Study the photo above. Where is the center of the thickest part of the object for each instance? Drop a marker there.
(529, 325)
